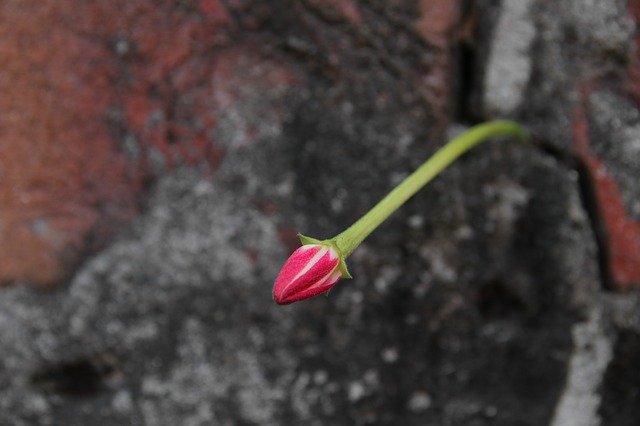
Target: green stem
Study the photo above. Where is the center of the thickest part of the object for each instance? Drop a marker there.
(351, 238)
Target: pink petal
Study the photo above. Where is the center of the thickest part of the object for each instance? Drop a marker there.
(310, 270)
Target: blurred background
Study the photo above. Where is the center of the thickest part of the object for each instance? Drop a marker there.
(158, 157)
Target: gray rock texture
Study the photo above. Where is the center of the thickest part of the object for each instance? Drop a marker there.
(484, 301)
(174, 324)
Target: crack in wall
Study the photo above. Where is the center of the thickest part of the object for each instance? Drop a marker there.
(581, 397)
(588, 201)
(467, 86)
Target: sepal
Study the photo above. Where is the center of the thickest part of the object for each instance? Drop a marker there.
(308, 240)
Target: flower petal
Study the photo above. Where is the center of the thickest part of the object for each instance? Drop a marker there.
(310, 270)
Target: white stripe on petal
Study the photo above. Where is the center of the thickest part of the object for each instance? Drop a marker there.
(331, 276)
(333, 254)
(315, 259)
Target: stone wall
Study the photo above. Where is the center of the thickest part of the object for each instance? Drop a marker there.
(158, 157)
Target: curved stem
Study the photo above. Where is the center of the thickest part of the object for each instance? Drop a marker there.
(351, 238)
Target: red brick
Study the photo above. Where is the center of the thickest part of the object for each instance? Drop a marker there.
(622, 232)
(436, 24)
(79, 78)
(65, 179)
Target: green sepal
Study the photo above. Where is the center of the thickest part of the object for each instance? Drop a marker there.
(308, 240)
(344, 270)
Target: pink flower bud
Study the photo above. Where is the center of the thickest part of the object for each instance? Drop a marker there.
(310, 270)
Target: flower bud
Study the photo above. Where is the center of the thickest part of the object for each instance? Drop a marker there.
(310, 270)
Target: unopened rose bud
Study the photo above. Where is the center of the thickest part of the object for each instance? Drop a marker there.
(310, 270)
(316, 266)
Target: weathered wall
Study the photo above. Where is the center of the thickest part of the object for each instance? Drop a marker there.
(158, 157)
